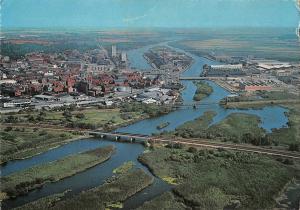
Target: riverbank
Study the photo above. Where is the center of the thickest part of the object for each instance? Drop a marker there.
(258, 104)
(211, 179)
(106, 196)
(20, 183)
(288, 135)
(203, 91)
(237, 128)
(21, 140)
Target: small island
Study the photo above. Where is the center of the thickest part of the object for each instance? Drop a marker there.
(20, 183)
(203, 91)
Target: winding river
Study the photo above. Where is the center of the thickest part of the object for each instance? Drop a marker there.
(271, 117)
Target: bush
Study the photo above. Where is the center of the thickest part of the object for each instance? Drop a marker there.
(7, 129)
(43, 133)
(294, 147)
(80, 116)
(192, 149)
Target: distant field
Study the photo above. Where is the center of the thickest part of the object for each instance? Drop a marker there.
(281, 44)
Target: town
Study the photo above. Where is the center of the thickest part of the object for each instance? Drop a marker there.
(104, 77)
(95, 77)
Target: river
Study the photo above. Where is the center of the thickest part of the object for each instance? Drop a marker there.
(271, 117)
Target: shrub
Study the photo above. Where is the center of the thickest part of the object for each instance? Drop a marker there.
(7, 129)
(192, 149)
(294, 147)
(80, 116)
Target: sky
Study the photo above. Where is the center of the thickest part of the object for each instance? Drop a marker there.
(149, 13)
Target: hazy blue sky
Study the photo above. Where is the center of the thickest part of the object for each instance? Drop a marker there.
(148, 13)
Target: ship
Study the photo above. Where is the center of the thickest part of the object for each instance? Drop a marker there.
(298, 4)
(163, 125)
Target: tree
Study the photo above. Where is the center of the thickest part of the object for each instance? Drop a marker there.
(68, 115)
(80, 116)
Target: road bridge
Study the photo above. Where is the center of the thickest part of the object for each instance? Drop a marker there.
(198, 78)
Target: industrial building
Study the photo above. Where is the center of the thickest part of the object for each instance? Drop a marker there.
(223, 70)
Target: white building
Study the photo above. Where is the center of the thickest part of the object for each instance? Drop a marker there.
(114, 51)
(123, 57)
(227, 67)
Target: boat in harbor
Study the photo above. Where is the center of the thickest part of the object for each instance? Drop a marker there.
(163, 125)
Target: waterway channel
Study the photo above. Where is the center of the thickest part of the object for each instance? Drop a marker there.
(271, 117)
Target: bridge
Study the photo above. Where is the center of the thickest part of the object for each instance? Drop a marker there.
(128, 137)
(198, 78)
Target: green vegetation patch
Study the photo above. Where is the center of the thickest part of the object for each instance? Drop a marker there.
(109, 195)
(203, 90)
(34, 177)
(124, 168)
(151, 110)
(239, 128)
(164, 201)
(17, 143)
(212, 179)
(291, 135)
(195, 128)
(43, 203)
(90, 118)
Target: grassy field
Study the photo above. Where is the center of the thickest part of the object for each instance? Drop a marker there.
(106, 196)
(34, 177)
(203, 90)
(82, 118)
(20, 143)
(211, 179)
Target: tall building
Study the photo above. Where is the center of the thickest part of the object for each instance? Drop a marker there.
(123, 57)
(114, 51)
